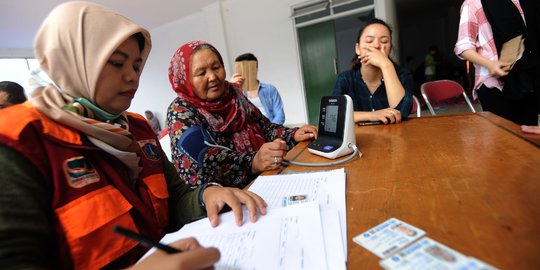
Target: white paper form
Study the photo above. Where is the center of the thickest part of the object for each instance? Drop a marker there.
(328, 189)
(287, 238)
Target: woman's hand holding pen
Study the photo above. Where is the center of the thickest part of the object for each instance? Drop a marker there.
(193, 256)
(188, 253)
(215, 198)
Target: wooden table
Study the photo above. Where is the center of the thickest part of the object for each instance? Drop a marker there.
(471, 181)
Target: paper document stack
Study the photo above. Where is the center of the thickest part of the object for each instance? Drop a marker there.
(305, 227)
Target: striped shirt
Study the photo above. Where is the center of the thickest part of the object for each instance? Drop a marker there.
(475, 34)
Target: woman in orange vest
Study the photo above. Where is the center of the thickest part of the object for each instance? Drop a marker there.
(75, 164)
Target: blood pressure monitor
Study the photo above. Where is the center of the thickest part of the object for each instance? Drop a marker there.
(336, 128)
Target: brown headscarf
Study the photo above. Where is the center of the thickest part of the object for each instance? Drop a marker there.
(73, 45)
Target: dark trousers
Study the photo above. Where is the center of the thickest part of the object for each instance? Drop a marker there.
(523, 111)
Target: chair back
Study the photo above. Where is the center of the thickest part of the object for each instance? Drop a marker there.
(165, 142)
(415, 106)
(441, 90)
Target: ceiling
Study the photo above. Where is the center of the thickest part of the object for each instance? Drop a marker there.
(425, 5)
(20, 19)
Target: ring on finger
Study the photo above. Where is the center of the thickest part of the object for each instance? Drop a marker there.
(275, 161)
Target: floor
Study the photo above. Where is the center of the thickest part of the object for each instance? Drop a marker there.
(449, 109)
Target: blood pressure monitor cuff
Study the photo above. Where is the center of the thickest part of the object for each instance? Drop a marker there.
(192, 143)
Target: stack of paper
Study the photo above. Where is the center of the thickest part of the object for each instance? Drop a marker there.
(328, 189)
(304, 228)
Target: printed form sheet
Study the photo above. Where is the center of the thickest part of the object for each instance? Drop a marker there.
(286, 238)
(328, 189)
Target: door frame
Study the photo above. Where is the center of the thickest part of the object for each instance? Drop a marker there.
(295, 26)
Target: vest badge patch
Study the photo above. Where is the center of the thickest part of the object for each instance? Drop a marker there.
(150, 149)
(79, 172)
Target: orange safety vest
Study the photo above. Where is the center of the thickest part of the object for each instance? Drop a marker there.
(89, 188)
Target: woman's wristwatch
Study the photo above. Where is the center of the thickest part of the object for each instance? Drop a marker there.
(201, 191)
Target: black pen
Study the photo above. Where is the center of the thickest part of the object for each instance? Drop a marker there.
(145, 241)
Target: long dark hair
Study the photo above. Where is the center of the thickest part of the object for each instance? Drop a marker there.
(355, 62)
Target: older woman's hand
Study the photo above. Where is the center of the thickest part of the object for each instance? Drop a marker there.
(305, 133)
(269, 156)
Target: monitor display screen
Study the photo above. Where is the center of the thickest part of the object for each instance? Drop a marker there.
(331, 118)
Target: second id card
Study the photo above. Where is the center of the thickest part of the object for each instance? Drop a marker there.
(388, 237)
(428, 254)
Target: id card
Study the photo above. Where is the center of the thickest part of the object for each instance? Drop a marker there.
(388, 237)
(476, 264)
(428, 254)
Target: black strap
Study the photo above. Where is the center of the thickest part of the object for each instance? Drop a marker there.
(505, 20)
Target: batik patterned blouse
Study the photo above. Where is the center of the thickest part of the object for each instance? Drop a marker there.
(220, 163)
